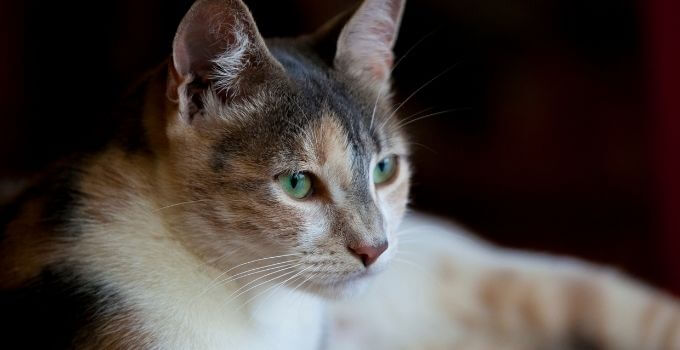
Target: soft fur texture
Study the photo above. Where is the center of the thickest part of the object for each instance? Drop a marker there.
(178, 235)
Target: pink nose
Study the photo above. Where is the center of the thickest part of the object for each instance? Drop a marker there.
(368, 254)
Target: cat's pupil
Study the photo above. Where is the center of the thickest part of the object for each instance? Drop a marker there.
(382, 166)
(294, 181)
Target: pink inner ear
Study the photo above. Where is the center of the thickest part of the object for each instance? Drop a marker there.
(382, 32)
(389, 61)
(380, 64)
(378, 70)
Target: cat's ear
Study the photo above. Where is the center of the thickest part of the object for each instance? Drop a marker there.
(217, 46)
(364, 47)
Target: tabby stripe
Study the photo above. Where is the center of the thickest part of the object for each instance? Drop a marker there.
(495, 292)
(670, 338)
(530, 308)
(647, 321)
(663, 316)
(585, 308)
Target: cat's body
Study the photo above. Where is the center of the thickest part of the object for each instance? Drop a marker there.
(192, 228)
(449, 290)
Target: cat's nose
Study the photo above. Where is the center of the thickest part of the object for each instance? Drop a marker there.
(368, 253)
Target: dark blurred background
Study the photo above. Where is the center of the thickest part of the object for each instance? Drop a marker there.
(562, 138)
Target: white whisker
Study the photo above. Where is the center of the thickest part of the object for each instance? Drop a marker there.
(407, 122)
(303, 282)
(300, 285)
(255, 271)
(382, 88)
(417, 91)
(412, 264)
(300, 297)
(181, 203)
(407, 252)
(414, 115)
(277, 286)
(412, 243)
(261, 277)
(411, 230)
(258, 285)
(237, 266)
(426, 147)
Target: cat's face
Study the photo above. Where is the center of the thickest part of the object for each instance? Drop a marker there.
(296, 167)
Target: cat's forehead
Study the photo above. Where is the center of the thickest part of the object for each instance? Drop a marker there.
(318, 95)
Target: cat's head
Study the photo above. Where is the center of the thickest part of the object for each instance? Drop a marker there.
(287, 149)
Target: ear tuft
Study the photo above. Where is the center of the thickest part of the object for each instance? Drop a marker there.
(364, 48)
(229, 65)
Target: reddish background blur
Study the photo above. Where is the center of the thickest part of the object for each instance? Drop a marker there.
(565, 138)
(664, 55)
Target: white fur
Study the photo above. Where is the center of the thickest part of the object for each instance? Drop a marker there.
(404, 309)
(231, 63)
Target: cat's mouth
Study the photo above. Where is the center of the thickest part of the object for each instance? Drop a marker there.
(344, 282)
(341, 285)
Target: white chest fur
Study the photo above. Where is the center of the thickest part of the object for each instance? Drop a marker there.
(277, 321)
(177, 303)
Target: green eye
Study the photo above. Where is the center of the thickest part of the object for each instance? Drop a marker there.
(297, 185)
(385, 170)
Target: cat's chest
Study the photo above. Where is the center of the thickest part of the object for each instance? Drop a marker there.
(280, 321)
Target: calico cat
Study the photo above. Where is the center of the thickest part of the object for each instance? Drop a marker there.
(255, 201)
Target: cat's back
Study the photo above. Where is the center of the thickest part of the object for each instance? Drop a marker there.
(44, 303)
(35, 223)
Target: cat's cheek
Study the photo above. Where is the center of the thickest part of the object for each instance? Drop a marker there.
(397, 199)
(311, 236)
(393, 202)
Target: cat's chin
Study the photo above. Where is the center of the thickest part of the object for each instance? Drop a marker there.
(342, 289)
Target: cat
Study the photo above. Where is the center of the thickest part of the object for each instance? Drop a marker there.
(255, 201)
